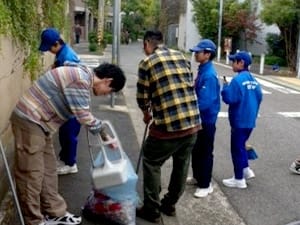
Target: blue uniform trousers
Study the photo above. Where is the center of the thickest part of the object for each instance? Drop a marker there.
(239, 136)
(68, 133)
(202, 155)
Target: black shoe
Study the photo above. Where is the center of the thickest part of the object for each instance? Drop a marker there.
(169, 210)
(149, 216)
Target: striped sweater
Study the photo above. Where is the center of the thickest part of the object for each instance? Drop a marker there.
(57, 96)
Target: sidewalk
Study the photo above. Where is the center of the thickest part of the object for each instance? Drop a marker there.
(127, 120)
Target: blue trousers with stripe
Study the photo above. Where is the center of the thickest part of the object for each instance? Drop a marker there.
(239, 156)
(68, 133)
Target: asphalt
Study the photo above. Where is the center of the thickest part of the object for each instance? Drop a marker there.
(126, 118)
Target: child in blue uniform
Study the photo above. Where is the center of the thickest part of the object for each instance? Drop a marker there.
(68, 132)
(207, 88)
(243, 95)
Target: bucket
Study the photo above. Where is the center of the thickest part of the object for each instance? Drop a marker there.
(110, 166)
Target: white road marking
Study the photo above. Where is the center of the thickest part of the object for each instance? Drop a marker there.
(223, 114)
(277, 87)
(119, 108)
(290, 114)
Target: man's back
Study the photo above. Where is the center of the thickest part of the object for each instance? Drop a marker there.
(166, 80)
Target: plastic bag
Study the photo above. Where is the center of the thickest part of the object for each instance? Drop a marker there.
(116, 204)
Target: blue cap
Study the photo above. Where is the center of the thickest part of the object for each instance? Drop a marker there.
(206, 45)
(242, 55)
(48, 39)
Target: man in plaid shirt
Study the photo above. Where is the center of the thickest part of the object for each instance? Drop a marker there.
(165, 94)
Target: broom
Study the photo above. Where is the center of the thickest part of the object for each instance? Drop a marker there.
(251, 152)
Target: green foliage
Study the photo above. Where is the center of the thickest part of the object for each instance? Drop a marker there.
(285, 14)
(92, 36)
(22, 20)
(206, 18)
(108, 37)
(239, 20)
(275, 60)
(276, 45)
(139, 15)
(93, 46)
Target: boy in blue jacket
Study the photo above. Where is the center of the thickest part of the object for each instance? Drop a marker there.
(68, 132)
(207, 88)
(243, 95)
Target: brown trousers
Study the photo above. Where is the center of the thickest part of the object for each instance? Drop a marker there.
(35, 172)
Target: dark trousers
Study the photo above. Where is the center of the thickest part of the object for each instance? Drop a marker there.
(77, 38)
(155, 153)
(202, 155)
(68, 133)
(239, 136)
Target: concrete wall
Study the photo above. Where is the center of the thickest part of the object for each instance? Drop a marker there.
(13, 82)
(188, 35)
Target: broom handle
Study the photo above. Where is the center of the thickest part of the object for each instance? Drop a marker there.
(12, 185)
(141, 151)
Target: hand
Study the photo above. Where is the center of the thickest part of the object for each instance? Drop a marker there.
(113, 144)
(147, 117)
(225, 80)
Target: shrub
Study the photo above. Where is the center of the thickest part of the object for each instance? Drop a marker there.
(108, 37)
(93, 47)
(275, 60)
(93, 38)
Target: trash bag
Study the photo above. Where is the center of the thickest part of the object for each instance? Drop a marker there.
(116, 204)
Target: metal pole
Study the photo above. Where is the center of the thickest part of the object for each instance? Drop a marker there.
(12, 185)
(116, 32)
(220, 30)
(116, 40)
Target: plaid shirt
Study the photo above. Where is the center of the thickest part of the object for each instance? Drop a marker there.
(57, 96)
(165, 82)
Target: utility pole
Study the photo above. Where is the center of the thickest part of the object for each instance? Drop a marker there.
(116, 32)
(116, 40)
(220, 31)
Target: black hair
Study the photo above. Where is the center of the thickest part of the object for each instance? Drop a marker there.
(212, 54)
(109, 70)
(153, 36)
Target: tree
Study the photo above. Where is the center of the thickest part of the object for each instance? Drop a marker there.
(206, 18)
(140, 15)
(239, 19)
(285, 14)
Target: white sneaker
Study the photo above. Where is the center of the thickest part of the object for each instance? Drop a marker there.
(63, 169)
(191, 181)
(203, 192)
(67, 219)
(295, 167)
(235, 183)
(248, 173)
